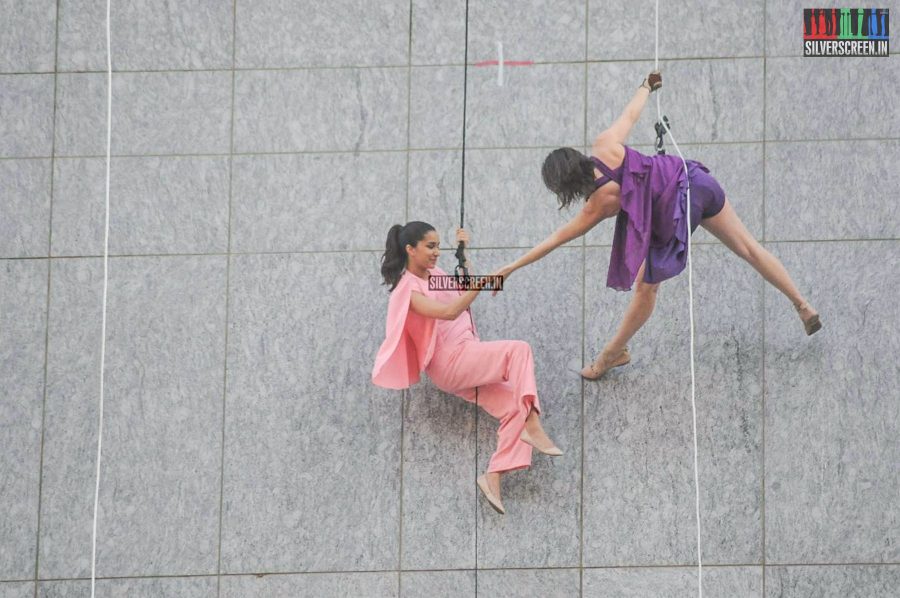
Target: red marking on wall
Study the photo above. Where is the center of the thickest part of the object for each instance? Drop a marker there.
(505, 63)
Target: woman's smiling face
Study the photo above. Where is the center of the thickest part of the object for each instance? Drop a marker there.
(426, 252)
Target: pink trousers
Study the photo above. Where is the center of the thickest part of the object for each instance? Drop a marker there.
(503, 372)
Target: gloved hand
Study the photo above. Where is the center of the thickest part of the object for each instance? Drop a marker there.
(653, 81)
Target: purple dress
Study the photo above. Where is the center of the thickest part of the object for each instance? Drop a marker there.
(652, 224)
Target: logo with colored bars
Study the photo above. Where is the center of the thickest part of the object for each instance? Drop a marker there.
(846, 32)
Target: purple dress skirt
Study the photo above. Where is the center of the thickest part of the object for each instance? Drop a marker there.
(652, 223)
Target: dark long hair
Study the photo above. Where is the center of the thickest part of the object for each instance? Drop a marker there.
(394, 259)
(569, 174)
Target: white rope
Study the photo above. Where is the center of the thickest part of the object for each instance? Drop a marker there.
(690, 314)
(105, 284)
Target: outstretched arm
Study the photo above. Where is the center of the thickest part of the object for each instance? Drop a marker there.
(584, 221)
(618, 132)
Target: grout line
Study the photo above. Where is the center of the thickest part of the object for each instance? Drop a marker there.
(763, 323)
(37, 545)
(408, 109)
(764, 123)
(404, 394)
(374, 571)
(583, 420)
(302, 68)
(587, 24)
(713, 243)
(317, 152)
(763, 441)
(227, 303)
(404, 402)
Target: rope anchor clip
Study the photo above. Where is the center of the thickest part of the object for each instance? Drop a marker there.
(463, 278)
(660, 132)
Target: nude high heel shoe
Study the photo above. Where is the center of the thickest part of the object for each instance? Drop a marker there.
(492, 499)
(811, 324)
(606, 363)
(553, 451)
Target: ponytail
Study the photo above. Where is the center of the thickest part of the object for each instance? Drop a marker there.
(394, 259)
(393, 262)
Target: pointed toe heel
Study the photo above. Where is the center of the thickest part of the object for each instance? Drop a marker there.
(553, 451)
(596, 370)
(491, 498)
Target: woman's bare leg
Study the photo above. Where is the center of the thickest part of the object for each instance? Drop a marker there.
(728, 228)
(638, 312)
(636, 315)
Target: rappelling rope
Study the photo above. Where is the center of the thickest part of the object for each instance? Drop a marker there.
(103, 308)
(460, 256)
(665, 124)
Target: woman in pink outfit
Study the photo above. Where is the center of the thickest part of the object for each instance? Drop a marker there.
(433, 331)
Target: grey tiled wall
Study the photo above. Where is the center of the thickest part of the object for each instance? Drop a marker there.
(262, 149)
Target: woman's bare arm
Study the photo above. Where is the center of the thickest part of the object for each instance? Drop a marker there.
(431, 308)
(584, 221)
(618, 132)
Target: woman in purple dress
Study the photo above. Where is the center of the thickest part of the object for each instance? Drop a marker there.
(647, 194)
